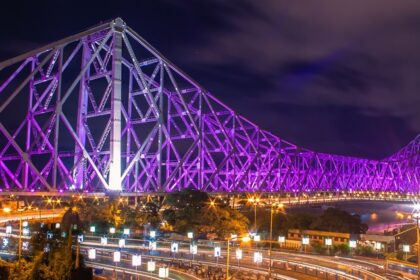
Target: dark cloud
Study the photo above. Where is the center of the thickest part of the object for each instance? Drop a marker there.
(334, 76)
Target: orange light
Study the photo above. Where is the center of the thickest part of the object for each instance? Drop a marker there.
(6, 210)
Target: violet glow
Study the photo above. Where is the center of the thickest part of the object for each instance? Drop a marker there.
(151, 128)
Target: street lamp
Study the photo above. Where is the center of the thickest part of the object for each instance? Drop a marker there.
(328, 242)
(92, 229)
(406, 250)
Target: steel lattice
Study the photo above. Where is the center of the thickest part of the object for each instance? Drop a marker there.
(103, 110)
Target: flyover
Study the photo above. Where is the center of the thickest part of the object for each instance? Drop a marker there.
(104, 112)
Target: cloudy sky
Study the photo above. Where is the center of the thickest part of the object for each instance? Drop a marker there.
(333, 76)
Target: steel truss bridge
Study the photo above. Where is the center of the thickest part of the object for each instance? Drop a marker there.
(103, 111)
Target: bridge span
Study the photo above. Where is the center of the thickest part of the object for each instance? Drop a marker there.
(103, 111)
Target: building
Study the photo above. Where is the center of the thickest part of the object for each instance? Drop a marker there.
(319, 237)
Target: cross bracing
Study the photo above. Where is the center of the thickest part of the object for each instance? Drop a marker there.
(103, 110)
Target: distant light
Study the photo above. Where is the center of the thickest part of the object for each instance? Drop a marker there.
(112, 230)
(328, 241)
(25, 223)
(174, 247)
(406, 248)
(117, 256)
(121, 243)
(152, 234)
(92, 229)
(246, 239)
(152, 245)
(127, 231)
(92, 254)
(234, 237)
(163, 272)
(378, 245)
(190, 235)
(6, 210)
(238, 254)
(258, 257)
(151, 266)
(257, 238)
(282, 239)
(136, 260)
(104, 240)
(57, 225)
(353, 244)
(217, 252)
(305, 240)
(9, 229)
(193, 249)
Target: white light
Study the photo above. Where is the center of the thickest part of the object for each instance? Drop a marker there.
(238, 254)
(152, 245)
(305, 240)
(57, 225)
(258, 257)
(117, 256)
(25, 231)
(282, 239)
(257, 238)
(80, 238)
(328, 241)
(163, 272)
(353, 244)
(92, 229)
(152, 234)
(25, 245)
(25, 223)
(378, 245)
(92, 254)
(151, 266)
(8, 229)
(112, 230)
(190, 235)
(136, 260)
(121, 243)
(193, 249)
(127, 231)
(174, 247)
(217, 252)
(104, 240)
(406, 248)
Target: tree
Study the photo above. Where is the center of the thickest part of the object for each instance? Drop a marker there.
(191, 210)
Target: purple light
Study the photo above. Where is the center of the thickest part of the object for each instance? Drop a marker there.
(183, 136)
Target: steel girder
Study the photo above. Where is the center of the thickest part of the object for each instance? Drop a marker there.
(103, 110)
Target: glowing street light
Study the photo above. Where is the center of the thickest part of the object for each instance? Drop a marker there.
(92, 254)
(25, 223)
(92, 229)
(246, 239)
(151, 266)
(111, 230)
(152, 234)
(163, 272)
(258, 257)
(136, 260)
(174, 247)
(117, 256)
(104, 240)
(57, 225)
(190, 235)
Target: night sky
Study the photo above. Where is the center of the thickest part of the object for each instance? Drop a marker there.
(333, 76)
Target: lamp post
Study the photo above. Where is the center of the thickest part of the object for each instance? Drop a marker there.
(280, 208)
(416, 216)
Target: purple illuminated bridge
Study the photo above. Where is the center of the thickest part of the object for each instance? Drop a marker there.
(104, 111)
